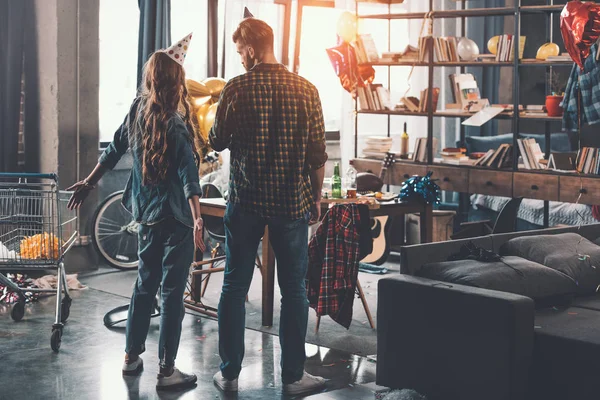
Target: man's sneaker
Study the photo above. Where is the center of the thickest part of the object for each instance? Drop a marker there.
(134, 367)
(307, 384)
(225, 384)
(177, 380)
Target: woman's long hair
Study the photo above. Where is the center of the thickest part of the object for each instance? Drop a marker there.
(163, 94)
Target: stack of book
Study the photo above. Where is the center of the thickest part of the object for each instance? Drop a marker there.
(588, 161)
(454, 156)
(506, 46)
(374, 97)
(446, 49)
(420, 153)
(366, 51)
(377, 147)
(531, 153)
(560, 57)
(499, 158)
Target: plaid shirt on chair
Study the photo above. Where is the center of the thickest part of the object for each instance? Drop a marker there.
(333, 257)
(272, 121)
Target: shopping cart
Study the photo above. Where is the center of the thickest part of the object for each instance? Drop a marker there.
(36, 231)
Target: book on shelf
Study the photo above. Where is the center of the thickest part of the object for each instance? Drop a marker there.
(531, 153)
(424, 48)
(486, 57)
(410, 53)
(377, 147)
(562, 162)
(588, 161)
(455, 161)
(446, 49)
(505, 52)
(420, 152)
(366, 49)
(413, 104)
(374, 97)
(498, 158)
(562, 57)
(465, 90)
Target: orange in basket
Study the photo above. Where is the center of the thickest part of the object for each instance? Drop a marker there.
(41, 246)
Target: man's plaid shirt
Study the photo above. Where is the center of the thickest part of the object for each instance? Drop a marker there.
(272, 121)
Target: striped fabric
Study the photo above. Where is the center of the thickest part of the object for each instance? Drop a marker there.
(272, 121)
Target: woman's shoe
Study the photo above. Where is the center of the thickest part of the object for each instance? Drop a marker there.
(307, 384)
(177, 380)
(225, 384)
(133, 368)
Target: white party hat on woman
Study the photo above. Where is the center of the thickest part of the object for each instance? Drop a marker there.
(178, 51)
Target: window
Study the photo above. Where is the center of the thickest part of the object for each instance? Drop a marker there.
(118, 63)
(318, 34)
(230, 15)
(192, 16)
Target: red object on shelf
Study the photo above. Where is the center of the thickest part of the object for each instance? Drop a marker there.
(553, 106)
(344, 62)
(580, 27)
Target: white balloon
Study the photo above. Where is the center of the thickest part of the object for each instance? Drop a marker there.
(467, 49)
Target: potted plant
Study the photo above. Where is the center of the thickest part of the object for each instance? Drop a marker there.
(554, 100)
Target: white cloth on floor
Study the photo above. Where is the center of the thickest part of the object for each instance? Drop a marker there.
(50, 282)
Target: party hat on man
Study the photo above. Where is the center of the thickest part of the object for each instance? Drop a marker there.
(178, 51)
(247, 13)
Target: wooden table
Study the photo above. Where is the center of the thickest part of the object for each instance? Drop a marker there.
(216, 207)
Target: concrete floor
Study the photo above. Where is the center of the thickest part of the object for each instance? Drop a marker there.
(89, 362)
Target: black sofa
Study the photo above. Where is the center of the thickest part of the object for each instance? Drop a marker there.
(456, 342)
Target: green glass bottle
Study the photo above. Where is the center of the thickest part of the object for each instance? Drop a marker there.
(336, 182)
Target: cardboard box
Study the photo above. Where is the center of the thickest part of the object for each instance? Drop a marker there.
(443, 226)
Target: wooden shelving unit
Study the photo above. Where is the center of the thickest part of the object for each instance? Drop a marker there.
(465, 173)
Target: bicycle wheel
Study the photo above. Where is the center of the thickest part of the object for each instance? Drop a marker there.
(115, 233)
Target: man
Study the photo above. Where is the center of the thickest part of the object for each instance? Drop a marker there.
(272, 121)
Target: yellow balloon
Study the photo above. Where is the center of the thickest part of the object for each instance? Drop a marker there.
(209, 118)
(492, 44)
(347, 26)
(201, 114)
(196, 89)
(546, 50)
(214, 86)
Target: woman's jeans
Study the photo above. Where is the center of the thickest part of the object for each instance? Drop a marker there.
(289, 238)
(166, 251)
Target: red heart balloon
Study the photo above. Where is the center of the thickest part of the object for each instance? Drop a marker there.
(580, 27)
(344, 61)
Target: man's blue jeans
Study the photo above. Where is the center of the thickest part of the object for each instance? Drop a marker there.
(289, 238)
(166, 251)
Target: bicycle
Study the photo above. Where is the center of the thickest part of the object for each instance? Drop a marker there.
(115, 233)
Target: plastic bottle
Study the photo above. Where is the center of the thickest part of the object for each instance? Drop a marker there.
(351, 181)
(404, 144)
(336, 182)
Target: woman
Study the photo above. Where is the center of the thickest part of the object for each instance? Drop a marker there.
(162, 194)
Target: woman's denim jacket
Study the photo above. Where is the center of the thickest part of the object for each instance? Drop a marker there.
(152, 203)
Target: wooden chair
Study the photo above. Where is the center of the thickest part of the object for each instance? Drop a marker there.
(199, 274)
(505, 222)
(361, 295)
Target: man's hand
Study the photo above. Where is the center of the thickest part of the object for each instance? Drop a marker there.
(80, 192)
(198, 232)
(315, 212)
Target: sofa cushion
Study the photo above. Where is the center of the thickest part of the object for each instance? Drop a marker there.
(517, 275)
(569, 253)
